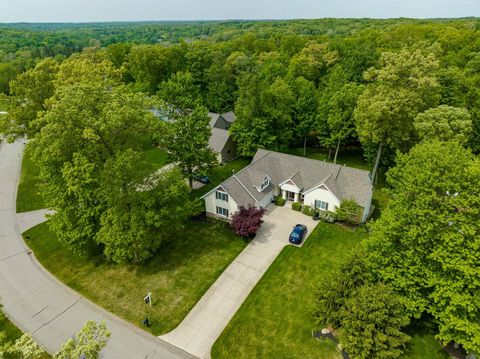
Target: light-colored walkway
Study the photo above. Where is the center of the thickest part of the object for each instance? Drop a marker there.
(27, 220)
(205, 322)
(38, 303)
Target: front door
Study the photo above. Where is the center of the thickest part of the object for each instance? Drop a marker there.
(291, 196)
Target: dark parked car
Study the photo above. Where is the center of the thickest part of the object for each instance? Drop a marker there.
(201, 178)
(299, 231)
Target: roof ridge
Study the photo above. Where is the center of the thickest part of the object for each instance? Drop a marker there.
(313, 159)
(235, 175)
(246, 189)
(338, 172)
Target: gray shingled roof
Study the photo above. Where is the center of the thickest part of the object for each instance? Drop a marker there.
(218, 139)
(229, 117)
(213, 118)
(344, 182)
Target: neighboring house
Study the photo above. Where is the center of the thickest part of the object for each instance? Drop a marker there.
(220, 141)
(318, 184)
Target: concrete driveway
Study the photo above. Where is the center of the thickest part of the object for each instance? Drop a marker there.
(205, 322)
(38, 303)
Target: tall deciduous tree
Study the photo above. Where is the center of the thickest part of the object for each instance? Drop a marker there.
(444, 123)
(188, 143)
(180, 92)
(402, 86)
(86, 125)
(340, 119)
(305, 108)
(141, 209)
(29, 91)
(264, 115)
(313, 61)
(425, 245)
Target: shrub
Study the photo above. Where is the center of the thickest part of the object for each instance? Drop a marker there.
(279, 201)
(308, 211)
(296, 206)
(247, 221)
(348, 212)
(327, 216)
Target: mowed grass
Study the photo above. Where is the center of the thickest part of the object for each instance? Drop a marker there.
(28, 197)
(156, 157)
(276, 320)
(9, 333)
(184, 268)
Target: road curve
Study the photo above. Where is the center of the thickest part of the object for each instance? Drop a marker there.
(40, 304)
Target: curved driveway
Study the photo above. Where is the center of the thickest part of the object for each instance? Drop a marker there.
(38, 303)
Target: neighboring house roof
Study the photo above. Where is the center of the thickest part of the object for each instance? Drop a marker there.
(229, 117)
(213, 118)
(218, 139)
(307, 174)
(220, 134)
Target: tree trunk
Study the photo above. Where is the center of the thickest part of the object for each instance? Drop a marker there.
(329, 152)
(190, 181)
(305, 146)
(377, 162)
(336, 152)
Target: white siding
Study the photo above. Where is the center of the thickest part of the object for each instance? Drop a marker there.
(324, 195)
(266, 201)
(211, 203)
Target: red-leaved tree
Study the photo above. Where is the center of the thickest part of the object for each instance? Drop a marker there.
(247, 221)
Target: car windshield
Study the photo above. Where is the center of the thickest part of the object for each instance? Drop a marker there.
(294, 234)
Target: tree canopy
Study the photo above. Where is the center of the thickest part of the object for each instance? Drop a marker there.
(425, 243)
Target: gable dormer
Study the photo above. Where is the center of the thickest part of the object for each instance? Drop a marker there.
(265, 183)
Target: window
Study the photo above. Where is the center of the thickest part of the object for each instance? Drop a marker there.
(221, 196)
(321, 205)
(222, 212)
(265, 183)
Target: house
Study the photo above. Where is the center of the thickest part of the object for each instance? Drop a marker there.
(318, 184)
(220, 141)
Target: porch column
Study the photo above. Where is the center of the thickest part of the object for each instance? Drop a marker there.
(297, 197)
(284, 194)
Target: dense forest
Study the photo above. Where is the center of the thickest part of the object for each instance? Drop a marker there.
(404, 92)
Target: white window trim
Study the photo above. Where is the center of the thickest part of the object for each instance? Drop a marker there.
(222, 196)
(221, 212)
(319, 201)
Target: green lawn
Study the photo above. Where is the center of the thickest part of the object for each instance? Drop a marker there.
(178, 276)
(156, 157)
(10, 331)
(276, 319)
(28, 198)
(220, 173)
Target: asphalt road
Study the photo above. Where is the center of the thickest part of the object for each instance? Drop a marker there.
(38, 303)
